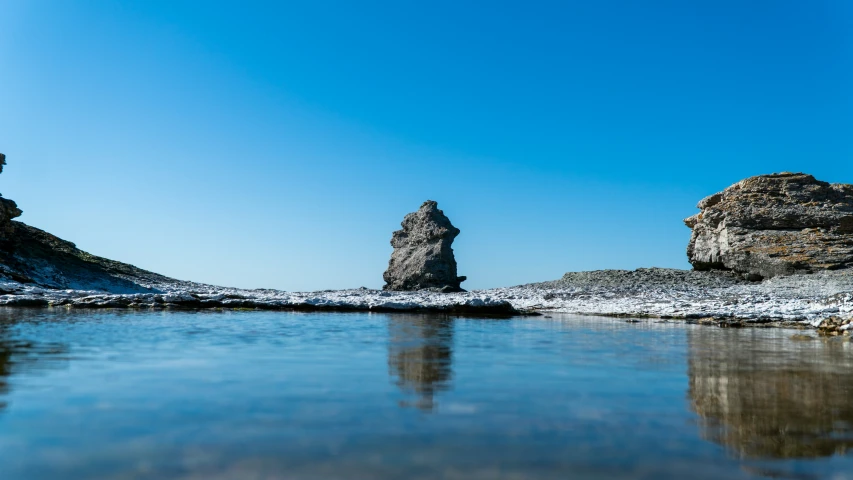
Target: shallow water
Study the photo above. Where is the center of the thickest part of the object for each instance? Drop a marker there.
(267, 395)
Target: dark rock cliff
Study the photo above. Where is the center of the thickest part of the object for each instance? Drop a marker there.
(32, 256)
(8, 208)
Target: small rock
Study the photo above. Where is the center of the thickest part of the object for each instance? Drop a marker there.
(833, 326)
(731, 324)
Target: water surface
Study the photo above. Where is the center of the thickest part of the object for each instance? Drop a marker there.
(268, 395)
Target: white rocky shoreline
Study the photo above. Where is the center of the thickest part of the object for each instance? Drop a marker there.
(708, 297)
(772, 250)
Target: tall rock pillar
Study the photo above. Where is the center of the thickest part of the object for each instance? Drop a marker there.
(423, 258)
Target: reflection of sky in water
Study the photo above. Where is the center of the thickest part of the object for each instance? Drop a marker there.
(291, 395)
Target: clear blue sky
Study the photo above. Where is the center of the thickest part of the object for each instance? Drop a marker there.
(278, 144)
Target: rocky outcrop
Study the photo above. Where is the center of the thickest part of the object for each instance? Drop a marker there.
(38, 269)
(8, 208)
(423, 258)
(31, 256)
(773, 225)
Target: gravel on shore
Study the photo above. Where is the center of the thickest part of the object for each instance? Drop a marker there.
(647, 292)
(660, 292)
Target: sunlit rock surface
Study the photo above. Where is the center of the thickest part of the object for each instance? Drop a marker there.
(773, 225)
(423, 256)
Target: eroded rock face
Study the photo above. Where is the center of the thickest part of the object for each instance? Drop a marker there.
(423, 257)
(773, 225)
(8, 208)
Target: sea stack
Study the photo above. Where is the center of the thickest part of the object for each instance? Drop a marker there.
(423, 258)
(8, 208)
(773, 225)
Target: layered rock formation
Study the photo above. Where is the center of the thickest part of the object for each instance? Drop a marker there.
(423, 258)
(773, 225)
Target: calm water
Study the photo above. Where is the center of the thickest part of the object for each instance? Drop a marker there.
(267, 395)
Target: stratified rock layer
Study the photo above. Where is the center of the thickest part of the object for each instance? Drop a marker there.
(423, 257)
(773, 225)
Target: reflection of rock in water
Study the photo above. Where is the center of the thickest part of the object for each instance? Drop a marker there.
(772, 397)
(419, 355)
(19, 356)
